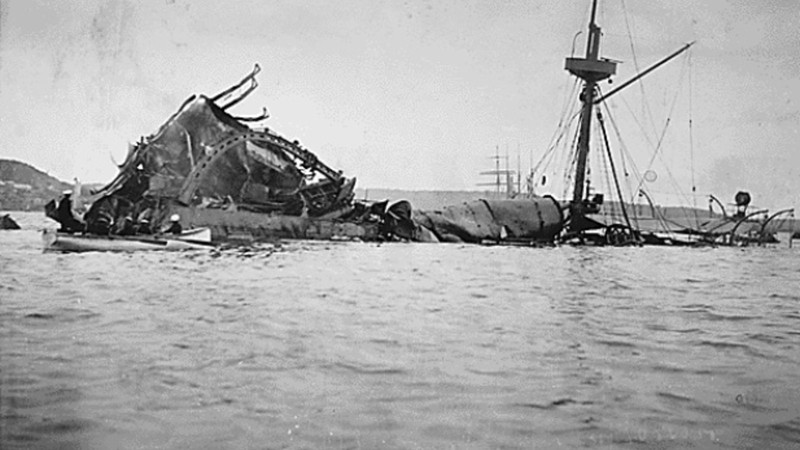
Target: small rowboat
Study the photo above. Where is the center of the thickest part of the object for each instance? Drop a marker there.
(198, 238)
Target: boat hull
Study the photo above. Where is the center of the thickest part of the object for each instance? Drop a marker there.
(66, 242)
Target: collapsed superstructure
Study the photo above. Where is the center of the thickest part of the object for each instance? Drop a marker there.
(213, 170)
(202, 157)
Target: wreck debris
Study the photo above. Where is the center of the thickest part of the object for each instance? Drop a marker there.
(252, 184)
(263, 116)
(7, 223)
(227, 93)
(202, 160)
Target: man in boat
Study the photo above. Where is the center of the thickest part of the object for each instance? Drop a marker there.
(65, 216)
(175, 225)
(143, 221)
(143, 226)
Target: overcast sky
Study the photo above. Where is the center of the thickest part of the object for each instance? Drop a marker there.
(411, 94)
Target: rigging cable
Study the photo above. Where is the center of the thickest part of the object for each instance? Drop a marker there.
(559, 138)
(650, 115)
(647, 113)
(657, 151)
(603, 162)
(673, 181)
(613, 171)
(623, 148)
(567, 110)
(622, 153)
(691, 141)
(573, 161)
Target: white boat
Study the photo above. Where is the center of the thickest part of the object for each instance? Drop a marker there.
(197, 238)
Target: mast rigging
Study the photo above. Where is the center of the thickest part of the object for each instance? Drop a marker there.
(592, 69)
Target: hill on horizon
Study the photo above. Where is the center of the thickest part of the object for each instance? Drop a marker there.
(25, 188)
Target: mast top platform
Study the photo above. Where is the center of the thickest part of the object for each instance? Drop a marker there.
(591, 70)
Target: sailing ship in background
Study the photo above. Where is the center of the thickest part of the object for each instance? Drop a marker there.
(504, 184)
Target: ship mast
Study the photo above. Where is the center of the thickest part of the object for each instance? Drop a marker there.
(591, 70)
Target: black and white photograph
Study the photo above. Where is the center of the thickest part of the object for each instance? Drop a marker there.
(399, 224)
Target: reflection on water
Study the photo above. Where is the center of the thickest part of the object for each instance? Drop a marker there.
(352, 345)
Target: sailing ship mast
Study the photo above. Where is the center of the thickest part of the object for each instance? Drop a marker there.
(507, 175)
(591, 70)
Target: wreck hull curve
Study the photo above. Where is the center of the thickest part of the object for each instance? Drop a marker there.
(538, 219)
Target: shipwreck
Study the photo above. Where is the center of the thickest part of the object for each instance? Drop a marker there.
(245, 183)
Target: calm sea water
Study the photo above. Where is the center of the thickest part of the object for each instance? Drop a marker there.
(352, 345)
